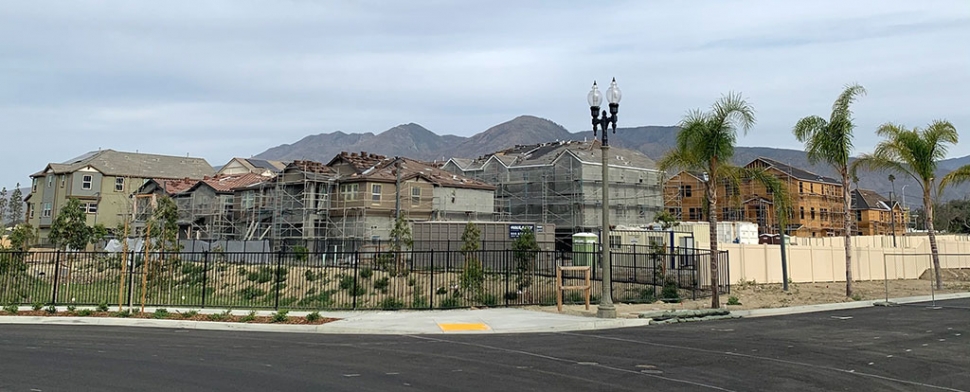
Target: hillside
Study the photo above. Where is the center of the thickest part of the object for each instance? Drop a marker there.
(413, 140)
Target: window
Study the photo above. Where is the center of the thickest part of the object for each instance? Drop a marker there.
(119, 184)
(675, 212)
(801, 187)
(349, 191)
(30, 209)
(248, 199)
(415, 195)
(375, 192)
(615, 242)
(90, 208)
(33, 187)
(63, 180)
(46, 213)
(811, 188)
(801, 212)
(695, 214)
(86, 181)
(50, 180)
(686, 191)
(858, 216)
(813, 213)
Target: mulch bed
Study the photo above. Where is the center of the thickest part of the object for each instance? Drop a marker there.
(217, 317)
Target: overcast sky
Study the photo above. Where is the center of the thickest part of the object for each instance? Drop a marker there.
(218, 79)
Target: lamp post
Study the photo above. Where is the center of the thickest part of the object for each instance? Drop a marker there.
(892, 207)
(905, 210)
(606, 309)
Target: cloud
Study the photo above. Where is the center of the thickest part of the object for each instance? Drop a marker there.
(226, 78)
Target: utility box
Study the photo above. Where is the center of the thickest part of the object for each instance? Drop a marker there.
(584, 249)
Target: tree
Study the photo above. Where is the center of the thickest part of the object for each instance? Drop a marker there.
(15, 206)
(472, 277)
(164, 223)
(401, 239)
(3, 205)
(915, 153)
(70, 227)
(21, 237)
(831, 142)
(706, 143)
(524, 250)
(667, 220)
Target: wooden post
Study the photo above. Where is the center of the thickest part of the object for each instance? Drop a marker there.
(560, 288)
(124, 266)
(144, 265)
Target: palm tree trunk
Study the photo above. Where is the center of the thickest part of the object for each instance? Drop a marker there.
(712, 220)
(934, 250)
(847, 205)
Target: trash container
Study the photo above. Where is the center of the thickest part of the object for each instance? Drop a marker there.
(584, 249)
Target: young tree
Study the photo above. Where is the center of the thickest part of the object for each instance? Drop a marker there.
(667, 220)
(22, 236)
(401, 239)
(524, 250)
(831, 142)
(916, 153)
(3, 205)
(15, 206)
(473, 276)
(706, 143)
(70, 227)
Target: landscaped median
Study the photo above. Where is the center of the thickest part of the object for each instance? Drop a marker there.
(226, 316)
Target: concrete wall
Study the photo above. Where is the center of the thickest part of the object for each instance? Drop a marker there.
(823, 259)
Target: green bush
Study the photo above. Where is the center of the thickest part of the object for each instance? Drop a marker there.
(280, 316)
(419, 302)
(732, 300)
(12, 309)
(217, 317)
(391, 303)
(450, 302)
(301, 253)
(310, 275)
(647, 295)
(321, 300)
(84, 312)
(190, 314)
(71, 308)
(313, 317)
(489, 300)
(381, 284)
(441, 291)
(669, 293)
(103, 306)
(366, 273)
(262, 275)
(37, 306)
(251, 293)
(411, 282)
(359, 291)
(249, 317)
(346, 282)
(122, 314)
(161, 313)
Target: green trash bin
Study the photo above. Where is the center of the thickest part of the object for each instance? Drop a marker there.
(584, 249)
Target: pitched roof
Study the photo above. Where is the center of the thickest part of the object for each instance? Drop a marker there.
(220, 183)
(386, 171)
(796, 172)
(138, 165)
(864, 199)
(547, 153)
(359, 161)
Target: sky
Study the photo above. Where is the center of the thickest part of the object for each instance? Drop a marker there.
(218, 79)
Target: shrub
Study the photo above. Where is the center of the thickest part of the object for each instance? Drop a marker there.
(489, 300)
(450, 302)
(441, 291)
(857, 297)
(251, 293)
(391, 303)
(313, 317)
(733, 300)
(473, 276)
(262, 275)
(301, 253)
(190, 314)
(419, 302)
(411, 282)
(280, 316)
(103, 306)
(122, 314)
(37, 306)
(669, 293)
(160, 313)
(647, 295)
(84, 312)
(216, 317)
(366, 273)
(310, 275)
(346, 282)
(381, 284)
(71, 308)
(12, 309)
(321, 300)
(359, 291)
(249, 317)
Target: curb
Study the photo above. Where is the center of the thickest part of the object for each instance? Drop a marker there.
(842, 305)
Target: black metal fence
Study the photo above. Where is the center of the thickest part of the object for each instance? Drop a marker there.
(344, 280)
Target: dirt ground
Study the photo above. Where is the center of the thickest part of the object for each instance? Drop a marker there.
(759, 296)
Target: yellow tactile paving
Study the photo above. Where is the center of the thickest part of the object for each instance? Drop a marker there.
(458, 327)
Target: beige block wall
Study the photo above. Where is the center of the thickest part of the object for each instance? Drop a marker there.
(824, 260)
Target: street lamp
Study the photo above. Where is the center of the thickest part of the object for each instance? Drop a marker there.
(892, 207)
(606, 309)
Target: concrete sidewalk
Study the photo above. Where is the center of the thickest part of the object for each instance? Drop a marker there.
(474, 321)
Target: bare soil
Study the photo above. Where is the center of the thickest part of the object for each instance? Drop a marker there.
(761, 296)
(219, 317)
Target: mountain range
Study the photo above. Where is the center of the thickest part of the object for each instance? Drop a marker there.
(414, 141)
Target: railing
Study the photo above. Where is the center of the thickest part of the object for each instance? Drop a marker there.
(341, 280)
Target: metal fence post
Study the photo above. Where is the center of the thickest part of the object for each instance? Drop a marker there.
(57, 273)
(205, 274)
(507, 291)
(353, 289)
(131, 278)
(276, 278)
(432, 289)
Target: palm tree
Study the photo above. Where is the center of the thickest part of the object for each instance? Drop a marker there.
(831, 142)
(706, 143)
(916, 153)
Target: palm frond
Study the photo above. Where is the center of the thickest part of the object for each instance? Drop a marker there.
(960, 175)
(880, 162)
(841, 108)
(806, 130)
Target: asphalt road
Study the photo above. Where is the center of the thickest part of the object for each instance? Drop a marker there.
(871, 349)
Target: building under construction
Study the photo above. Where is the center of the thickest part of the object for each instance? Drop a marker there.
(561, 183)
